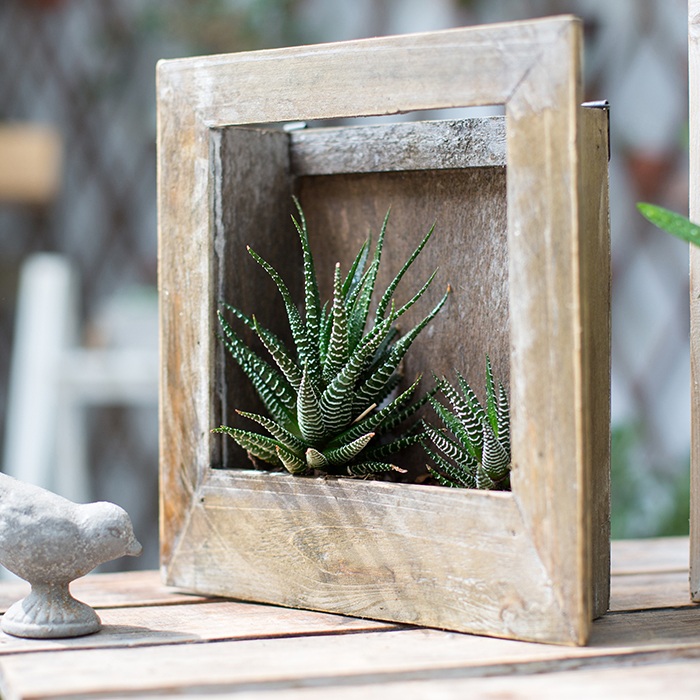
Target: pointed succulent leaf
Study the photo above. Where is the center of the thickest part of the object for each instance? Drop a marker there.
(296, 325)
(405, 413)
(403, 343)
(260, 446)
(373, 389)
(457, 428)
(483, 480)
(338, 350)
(491, 411)
(386, 297)
(292, 463)
(358, 311)
(374, 421)
(357, 269)
(326, 324)
(477, 415)
(449, 474)
(336, 401)
(279, 354)
(357, 319)
(315, 459)
(495, 459)
(309, 412)
(471, 398)
(460, 407)
(368, 468)
(346, 453)
(405, 307)
(390, 448)
(283, 436)
(273, 389)
(312, 302)
(449, 447)
(503, 418)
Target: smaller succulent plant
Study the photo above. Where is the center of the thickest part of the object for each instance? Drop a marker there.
(330, 399)
(473, 449)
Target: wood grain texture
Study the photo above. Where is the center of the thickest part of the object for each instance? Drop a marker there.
(649, 556)
(361, 660)
(369, 549)
(557, 512)
(436, 145)
(694, 194)
(202, 648)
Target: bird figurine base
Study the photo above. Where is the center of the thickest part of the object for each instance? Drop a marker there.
(50, 612)
(49, 542)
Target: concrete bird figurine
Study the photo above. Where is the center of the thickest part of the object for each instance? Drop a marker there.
(49, 541)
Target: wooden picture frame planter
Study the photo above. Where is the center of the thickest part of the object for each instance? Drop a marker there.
(529, 564)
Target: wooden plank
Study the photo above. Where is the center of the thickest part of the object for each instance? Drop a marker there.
(430, 145)
(648, 591)
(595, 303)
(113, 590)
(694, 194)
(637, 681)
(534, 69)
(368, 660)
(379, 556)
(549, 427)
(654, 555)
(211, 621)
(30, 163)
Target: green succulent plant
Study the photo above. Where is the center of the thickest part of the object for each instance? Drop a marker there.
(329, 401)
(473, 448)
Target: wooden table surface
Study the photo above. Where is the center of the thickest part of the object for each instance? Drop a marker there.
(161, 642)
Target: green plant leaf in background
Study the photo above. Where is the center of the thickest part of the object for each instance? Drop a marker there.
(671, 222)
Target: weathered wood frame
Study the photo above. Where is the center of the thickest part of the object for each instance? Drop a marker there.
(531, 564)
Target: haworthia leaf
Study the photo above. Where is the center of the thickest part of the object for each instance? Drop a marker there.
(336, 401)
(367, 468)
(357, 269)
(292, 463)
(312, 301)
(483, 480)
(273, 389)
(390, 448)
(374, 421)
(503, 418)
(386, 297)
(279, 432)
(309, 412)
(346, 453)
(315, 459)
(405, 413)
(357, 319)
(279, 354)
(495, 460)
(296, 325)
(260, 446)
(338, 349)
(457, 476)
(491, 411)
(457, 428)
(449, 447)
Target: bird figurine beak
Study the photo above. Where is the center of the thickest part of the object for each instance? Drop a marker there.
(134, 548)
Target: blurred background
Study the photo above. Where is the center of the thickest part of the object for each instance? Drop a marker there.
(78, 301)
